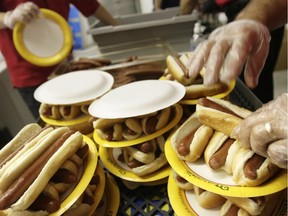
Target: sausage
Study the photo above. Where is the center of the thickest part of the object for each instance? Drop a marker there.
(252, 165)
(218, 159)
(45, 203)
(184, 145)
(182, 66)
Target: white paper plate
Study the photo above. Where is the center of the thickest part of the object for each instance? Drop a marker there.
(74, 87)
(184, 202)
(137, 98)
(45, 41)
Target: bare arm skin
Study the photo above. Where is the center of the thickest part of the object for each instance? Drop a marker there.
(273, 14)
(2, 26)
(104, 16)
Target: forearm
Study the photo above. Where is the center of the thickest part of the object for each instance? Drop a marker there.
(187, 6)
(273, 14)
(157, 4)
(2, 26)
(104, 16)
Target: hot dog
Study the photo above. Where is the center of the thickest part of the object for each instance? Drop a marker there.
(220, 114)
(133, 127)
(190, 139)
(251, 169)
(207, 199)
(177, 70)
(145, 158)
(181, 182)
(63, 112)
(230, 209)
(46, 162)
(220, 152)
(177, 67)
(254, 205)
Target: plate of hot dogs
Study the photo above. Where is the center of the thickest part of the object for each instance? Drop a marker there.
(144, 162)
(136, 112)
(197, 201)
(206, 155)
(45, 170)
(194, 88)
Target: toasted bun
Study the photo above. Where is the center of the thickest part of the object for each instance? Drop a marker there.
(265, 171)
(219, 120)
(198, 143)
(207, 199)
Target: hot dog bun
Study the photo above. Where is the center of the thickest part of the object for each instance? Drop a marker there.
(219, 120)
(145, 162)
(207, 199)
(181, 182)
(133, 127)
(190, 139)
(229, 206)
(220, 152)
(36, 171)
(254, 206)
(251, 169)
(177, 67)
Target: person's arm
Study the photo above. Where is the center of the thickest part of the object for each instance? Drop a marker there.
(24, 12)
(2, 26)
(187, 6)
(157, 5)
(104, 16)
(272, 14)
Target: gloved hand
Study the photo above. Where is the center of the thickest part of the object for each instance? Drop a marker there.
(24, 13)
(229, 48)
(265, 131)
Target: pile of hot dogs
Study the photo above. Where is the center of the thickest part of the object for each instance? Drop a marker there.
(39, 168)
(208, 134)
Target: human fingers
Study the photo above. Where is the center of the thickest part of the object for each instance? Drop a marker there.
(197, 61)
(215, 61)
(242, 132)
(262, 135)
(277, 152)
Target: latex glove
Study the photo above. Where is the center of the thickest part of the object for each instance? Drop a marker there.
(24, 13)
(229, 48)
(265, 131)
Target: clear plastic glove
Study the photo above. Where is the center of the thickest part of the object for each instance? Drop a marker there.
(24, 13)
(229, 48)
(265, 131)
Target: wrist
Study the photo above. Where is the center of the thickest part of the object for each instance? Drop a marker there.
(6, 20)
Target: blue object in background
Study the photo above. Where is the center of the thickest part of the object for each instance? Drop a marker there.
(75, 25)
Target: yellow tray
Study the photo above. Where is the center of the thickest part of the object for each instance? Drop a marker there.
(125, 143)
(27, 54)
(98, 194)
(108, 160)
(111, 198)
(89, 169)
(277, 183)
(221, 95)
(81, 119)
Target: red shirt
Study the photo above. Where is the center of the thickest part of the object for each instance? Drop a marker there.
(21, 72)
(223, 2)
